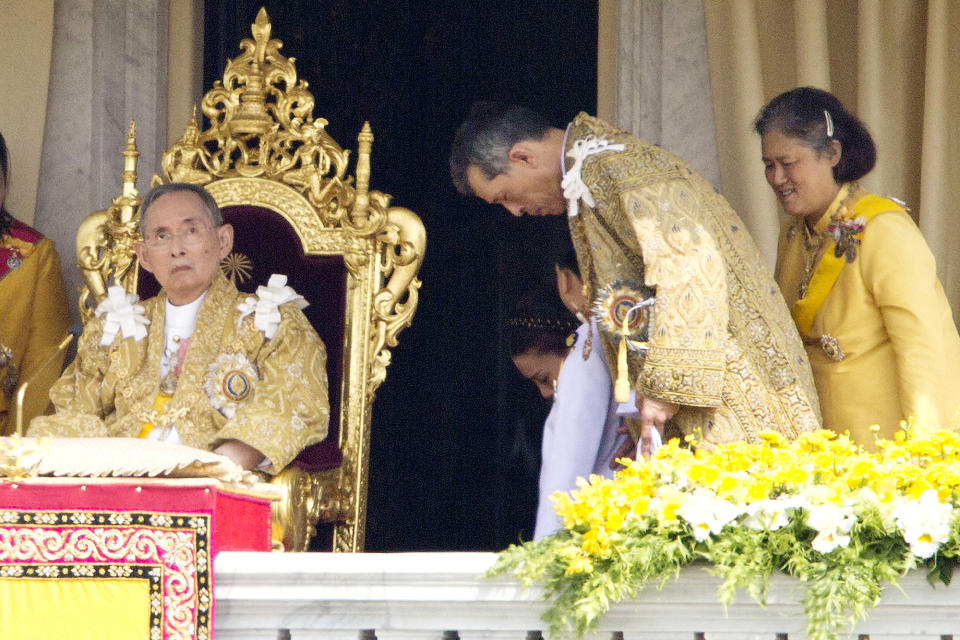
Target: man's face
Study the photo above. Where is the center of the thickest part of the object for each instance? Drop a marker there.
(180, 246)
(526, 188)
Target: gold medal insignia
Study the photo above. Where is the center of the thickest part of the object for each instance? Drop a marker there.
(624, 301)
(230, 380)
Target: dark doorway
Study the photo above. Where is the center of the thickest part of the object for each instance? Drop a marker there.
(456, 431)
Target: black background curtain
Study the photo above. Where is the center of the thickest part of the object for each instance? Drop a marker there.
(456, 432)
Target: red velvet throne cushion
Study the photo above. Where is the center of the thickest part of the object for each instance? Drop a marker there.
(271, 246)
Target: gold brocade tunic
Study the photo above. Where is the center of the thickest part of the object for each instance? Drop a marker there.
(34, 320)
(110, 391)
(888, 315)
(722, 344)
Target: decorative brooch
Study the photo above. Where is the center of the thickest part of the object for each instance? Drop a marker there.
(624, 301)
(845, 233)
(266, 306)
(124, 314)
(831, 347)
(230, 380)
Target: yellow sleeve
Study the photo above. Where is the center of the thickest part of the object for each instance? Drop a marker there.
(899, 270)
(79, 394)
(686, 361)
(47, 326)
(288, 409)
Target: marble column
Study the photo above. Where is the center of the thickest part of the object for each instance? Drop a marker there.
(663, 79)
(109, 64)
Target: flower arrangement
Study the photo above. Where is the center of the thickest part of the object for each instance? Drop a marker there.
(841, 520)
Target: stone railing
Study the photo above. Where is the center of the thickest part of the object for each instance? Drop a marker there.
(443, 596)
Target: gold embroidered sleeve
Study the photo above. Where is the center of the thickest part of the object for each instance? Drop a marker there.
(685, 362)
(80, 396)
(288, 409)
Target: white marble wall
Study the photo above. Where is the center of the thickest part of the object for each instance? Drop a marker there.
(109, 64)
(663, 79)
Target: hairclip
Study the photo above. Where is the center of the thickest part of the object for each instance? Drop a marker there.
(826, 116)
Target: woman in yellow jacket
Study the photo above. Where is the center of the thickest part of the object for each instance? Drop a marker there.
(33, 311)
(859, 278)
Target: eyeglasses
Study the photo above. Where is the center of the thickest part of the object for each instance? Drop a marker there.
(191, 235)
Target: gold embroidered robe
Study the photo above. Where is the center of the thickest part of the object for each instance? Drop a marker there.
(889, 316)
(110, 391)
(722, 344)
(34, 320)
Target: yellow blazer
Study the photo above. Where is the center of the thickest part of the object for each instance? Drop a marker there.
(35, 318)
(886, 315)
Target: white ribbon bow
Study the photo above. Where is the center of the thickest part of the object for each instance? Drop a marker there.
(123, 314)
(266, 306)
(574, 188)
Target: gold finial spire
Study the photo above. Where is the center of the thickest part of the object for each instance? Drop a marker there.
(130, 155)
(364, 146)
(252, 116)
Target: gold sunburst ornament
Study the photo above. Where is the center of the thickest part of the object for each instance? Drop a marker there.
(622, 310)
(237, 267)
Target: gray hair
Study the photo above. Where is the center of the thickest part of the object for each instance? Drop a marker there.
(209, 204)
(485, 138)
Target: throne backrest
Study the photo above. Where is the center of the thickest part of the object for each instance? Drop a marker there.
(282, 182)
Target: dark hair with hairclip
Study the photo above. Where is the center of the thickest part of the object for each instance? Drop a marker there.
(540, 323)
(5, 218)
(808, 113)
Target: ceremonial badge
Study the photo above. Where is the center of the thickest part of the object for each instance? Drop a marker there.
(624, 301)
(230, 380)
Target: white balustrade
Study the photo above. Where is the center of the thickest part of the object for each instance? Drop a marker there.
(444, 596)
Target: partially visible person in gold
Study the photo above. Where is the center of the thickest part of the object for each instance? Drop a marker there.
(722, 357)
(857, 274)
(33, 311)
(201, 363)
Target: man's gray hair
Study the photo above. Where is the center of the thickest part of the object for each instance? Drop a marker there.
(485, 138)
(209, 204)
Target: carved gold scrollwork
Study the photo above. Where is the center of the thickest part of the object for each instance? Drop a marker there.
(404, 240)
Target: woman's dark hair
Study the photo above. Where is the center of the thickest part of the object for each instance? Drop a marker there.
(540, 323)
(5, 218)
(807, 113)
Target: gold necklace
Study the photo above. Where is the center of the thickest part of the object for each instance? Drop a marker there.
(812, 244)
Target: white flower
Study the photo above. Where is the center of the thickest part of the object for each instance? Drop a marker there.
(832, 523)
(707, 514)
(266, 306)
(925, 523)
(769, 514)
(124, 314)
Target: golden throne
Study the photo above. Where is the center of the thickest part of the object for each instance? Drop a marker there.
(282, 182)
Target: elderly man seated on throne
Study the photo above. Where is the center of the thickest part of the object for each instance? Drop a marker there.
(201, 363)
